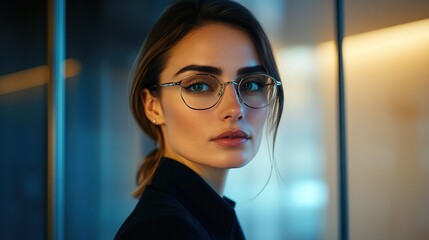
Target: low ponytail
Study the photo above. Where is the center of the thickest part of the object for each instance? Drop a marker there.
(146, 171)
(151, 161)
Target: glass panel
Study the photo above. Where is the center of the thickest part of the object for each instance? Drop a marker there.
(104, 144)
(386, 58)
(23, 120)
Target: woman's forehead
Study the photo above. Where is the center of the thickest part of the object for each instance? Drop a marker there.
(218, 45)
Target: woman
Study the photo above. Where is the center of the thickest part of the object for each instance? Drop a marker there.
(204, 86)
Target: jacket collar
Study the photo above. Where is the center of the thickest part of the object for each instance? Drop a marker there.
(217, 214)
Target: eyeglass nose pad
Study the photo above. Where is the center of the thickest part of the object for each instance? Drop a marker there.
(220, 92)
(222, 88)
(236, 87)
(230, 83)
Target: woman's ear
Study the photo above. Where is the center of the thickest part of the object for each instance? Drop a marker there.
(152, 107)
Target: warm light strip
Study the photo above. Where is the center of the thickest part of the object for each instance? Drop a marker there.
(402, 37)
(34, 77)
(391, 38)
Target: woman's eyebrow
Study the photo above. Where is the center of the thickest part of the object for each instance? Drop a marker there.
(252, 69)
(217, 71)
(200, 68)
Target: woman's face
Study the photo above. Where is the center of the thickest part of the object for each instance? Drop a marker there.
(227, 135)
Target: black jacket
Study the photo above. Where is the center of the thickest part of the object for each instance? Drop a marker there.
(179, 204)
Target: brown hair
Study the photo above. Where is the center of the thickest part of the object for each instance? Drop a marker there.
(175, 23)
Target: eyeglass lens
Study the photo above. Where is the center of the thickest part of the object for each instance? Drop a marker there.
(204, 91)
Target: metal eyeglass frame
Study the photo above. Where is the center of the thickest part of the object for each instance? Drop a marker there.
(221, 90)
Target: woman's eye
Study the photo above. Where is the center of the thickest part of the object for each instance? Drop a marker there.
(198, 87)
(251, 86)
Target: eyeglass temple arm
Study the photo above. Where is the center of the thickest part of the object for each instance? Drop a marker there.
(168, 84)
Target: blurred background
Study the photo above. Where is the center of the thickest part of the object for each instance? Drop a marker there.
(386, 57)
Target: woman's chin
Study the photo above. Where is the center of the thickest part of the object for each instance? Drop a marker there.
(232, 162)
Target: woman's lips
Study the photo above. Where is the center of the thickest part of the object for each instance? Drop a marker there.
(231, 138)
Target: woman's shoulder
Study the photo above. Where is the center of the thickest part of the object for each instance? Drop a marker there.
(160, 216)
(163, 227)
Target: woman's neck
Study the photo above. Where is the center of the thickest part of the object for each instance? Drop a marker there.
(215, 177)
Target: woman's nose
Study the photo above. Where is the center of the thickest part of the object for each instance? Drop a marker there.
(230, 104)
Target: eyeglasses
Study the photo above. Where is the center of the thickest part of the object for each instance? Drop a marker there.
(203, 91)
